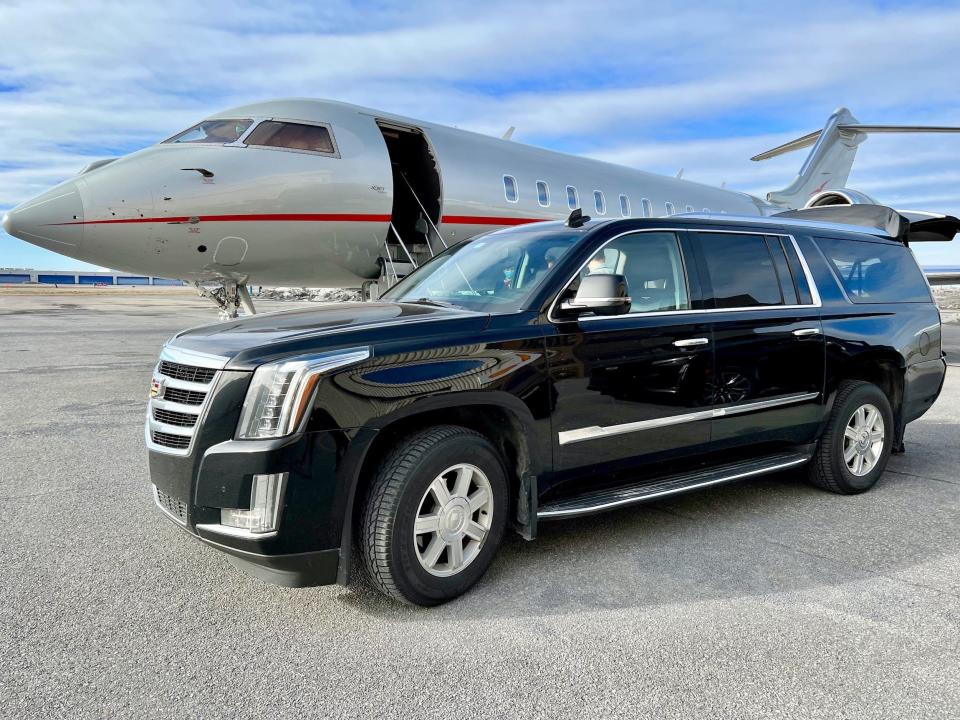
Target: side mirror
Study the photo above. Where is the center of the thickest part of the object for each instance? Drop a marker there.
(600, 295)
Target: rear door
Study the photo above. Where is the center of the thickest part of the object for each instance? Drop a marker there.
(764, 314)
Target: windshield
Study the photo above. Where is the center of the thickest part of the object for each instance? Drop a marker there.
(212, 131)
(495, 273)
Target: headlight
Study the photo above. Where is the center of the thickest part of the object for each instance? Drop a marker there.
(280, 392)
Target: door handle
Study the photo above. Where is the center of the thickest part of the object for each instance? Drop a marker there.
(804, 332)
(691, 342)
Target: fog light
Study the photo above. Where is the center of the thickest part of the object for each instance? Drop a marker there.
(264, 513)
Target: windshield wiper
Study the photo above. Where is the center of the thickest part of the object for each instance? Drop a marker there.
(436, 303)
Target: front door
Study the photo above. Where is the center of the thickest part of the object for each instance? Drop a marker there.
(769, 350)
(631, 388)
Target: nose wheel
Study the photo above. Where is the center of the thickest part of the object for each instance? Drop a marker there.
(228, 297)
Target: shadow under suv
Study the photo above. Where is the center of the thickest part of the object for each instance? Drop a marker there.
(537, 373)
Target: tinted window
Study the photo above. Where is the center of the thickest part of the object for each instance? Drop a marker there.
(543, 193)
(647, 207)
(652, 264)
(796, 269)
(292, 136)
(573, 199)
(873, 272)
(510, 188)
(741, 270)
(787, 286)
(625, 206)
(212, 131)
(599, 202)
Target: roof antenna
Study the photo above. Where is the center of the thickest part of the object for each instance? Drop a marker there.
(508, 135)
(577, 219)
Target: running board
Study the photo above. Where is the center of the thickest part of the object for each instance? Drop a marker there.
(610, 498)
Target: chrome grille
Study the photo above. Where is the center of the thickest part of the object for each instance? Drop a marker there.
(171, 417)
(178, 442)
(182, 383)
(184, 397)
(174, 507)
(189, 373)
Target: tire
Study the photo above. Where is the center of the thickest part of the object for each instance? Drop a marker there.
(405, 495)
(835, 464)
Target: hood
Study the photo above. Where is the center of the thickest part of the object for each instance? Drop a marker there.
(251, 341)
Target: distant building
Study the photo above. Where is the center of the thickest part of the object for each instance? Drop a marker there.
(18, 276)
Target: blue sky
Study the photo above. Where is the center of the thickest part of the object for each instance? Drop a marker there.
(702, 86)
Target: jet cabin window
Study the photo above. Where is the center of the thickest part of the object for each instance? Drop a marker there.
(599, 202)
(543, 194)
(624, 206)
(218, 132)
(510, 188)
(573, 198)
(647, 207)
(292, 136)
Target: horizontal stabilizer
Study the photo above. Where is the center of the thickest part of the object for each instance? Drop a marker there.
(810, 138)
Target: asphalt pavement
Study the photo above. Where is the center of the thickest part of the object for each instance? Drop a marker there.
(762, 599)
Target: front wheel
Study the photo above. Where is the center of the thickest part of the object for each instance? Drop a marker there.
(855, 447)
(435, 515)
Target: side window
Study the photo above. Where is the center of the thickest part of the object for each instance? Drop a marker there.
(599, 202)
(875, 272)
(624, 206)
(796, 268)
(647, 207)
(787, 286)
(543, 194)
(510, 188)
(573, 198)
(740, 269)
(653, 266)
(689, 208)
(671, 210)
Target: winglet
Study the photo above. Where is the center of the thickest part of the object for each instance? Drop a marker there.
(508, 135)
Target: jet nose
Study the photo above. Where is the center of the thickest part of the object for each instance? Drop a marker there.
(53, 220)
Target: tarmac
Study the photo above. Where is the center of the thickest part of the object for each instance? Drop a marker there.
(762, 599)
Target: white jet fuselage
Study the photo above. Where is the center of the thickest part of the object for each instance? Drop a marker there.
(287, 216)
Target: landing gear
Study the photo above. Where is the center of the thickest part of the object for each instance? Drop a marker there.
(228, 298)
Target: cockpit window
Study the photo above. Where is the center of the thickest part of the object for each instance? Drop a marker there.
(213, 131)
(292, 136)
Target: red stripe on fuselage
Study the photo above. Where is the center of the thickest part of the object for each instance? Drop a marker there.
(306, 217)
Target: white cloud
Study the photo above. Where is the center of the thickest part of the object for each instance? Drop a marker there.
(626, 82)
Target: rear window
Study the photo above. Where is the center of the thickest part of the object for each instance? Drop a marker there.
(875, 272)
(292, 136)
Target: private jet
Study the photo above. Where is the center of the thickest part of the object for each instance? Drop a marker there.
(318, 193)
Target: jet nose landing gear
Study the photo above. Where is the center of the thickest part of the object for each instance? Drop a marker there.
(228, 297)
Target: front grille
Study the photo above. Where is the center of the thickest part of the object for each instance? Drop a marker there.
(189, 373)
(183, 397)
(174, 507)
(177, 442)
(169, 417)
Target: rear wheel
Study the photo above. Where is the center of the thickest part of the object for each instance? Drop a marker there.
(435, 515)
(855, 448)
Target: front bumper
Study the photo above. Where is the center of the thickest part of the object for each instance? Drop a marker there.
(306, 547)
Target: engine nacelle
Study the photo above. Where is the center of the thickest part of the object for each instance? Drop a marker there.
(844, 196)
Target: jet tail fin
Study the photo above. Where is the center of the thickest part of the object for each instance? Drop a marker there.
(828, 165)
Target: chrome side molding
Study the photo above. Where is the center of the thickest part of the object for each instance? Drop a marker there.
(594, 432)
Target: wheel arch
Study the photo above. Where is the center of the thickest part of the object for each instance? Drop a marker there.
(886, 370)
(500, 417)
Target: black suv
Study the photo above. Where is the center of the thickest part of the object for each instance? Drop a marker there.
(537, 373)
